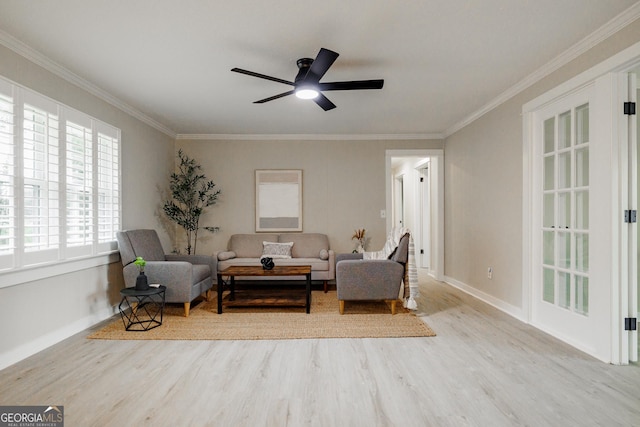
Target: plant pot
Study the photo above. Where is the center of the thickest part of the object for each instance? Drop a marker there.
(142, 284)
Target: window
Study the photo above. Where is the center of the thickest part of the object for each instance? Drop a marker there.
(59, 181)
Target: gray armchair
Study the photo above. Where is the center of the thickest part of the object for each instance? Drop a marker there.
(185, 276)
(371, 279)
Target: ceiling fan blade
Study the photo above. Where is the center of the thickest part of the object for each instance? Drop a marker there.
(271, 98)
(261, 76)
(353, 85)
(320, 65)
(324, 102)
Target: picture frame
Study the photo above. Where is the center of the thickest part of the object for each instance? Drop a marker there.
(278, 200)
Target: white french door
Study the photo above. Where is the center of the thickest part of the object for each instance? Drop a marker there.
(634, 290)
(571, 290)
(629, 231)
(580, 254)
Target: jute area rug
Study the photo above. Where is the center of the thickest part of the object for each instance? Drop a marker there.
(360, 320)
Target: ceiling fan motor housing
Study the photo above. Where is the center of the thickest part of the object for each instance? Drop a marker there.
(303, 64)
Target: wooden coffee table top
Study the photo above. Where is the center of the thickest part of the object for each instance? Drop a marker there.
(257, 270)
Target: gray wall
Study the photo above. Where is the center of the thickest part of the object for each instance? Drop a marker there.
(483, 184)
(37, 314)
(343, 185)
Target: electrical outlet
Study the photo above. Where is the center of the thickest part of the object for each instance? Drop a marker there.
(490, 273)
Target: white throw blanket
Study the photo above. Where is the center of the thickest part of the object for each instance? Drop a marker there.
(409, 290)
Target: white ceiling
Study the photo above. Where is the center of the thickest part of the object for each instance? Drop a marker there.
(442, 61)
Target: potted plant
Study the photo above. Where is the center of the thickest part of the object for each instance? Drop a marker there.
(191, 193)
(142, 284)
(359, 236)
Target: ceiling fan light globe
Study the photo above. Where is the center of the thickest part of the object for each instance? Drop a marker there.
(307, 93)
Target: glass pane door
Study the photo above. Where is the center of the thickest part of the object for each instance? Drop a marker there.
(565, 222)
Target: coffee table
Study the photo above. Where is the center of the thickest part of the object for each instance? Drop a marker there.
(277, 271)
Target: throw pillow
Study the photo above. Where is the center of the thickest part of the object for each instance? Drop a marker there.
(324, 254)
(223, 256)
(276, 250)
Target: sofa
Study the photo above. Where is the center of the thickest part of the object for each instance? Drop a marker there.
(360, 279)
(185, 276)
(285, 249)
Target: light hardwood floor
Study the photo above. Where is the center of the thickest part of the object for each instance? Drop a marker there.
(483, 369)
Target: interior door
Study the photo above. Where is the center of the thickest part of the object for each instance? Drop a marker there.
(631, 337)
(571, 277)
(626, 340)
(425, 217)
(398, 205)
(635, 347)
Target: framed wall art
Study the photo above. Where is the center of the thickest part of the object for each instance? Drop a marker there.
(278, 200)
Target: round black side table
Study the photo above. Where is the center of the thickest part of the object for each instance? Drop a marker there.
(142, 310)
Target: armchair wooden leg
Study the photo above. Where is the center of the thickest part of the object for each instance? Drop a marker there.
(187, 307)
(326, 287)
(393, 307)
(341, 306)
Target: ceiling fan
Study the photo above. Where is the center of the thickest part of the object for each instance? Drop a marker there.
(307, 84)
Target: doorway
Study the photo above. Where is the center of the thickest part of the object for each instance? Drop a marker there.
(415, 199)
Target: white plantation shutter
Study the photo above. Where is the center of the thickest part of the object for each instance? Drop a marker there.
(41, 183)
(79, 185)
(59, 181)
(108, 176)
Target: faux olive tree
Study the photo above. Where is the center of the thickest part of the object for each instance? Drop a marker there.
(191, 193)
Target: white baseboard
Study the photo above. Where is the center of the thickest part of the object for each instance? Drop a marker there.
(34, 346)
(505, 307)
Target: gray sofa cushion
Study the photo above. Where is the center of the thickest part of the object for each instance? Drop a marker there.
(306, 245)
(146, 244)
(249, 245)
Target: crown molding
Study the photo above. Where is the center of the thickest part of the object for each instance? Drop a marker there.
(38, 58)
(610, 28)
(309, 137)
